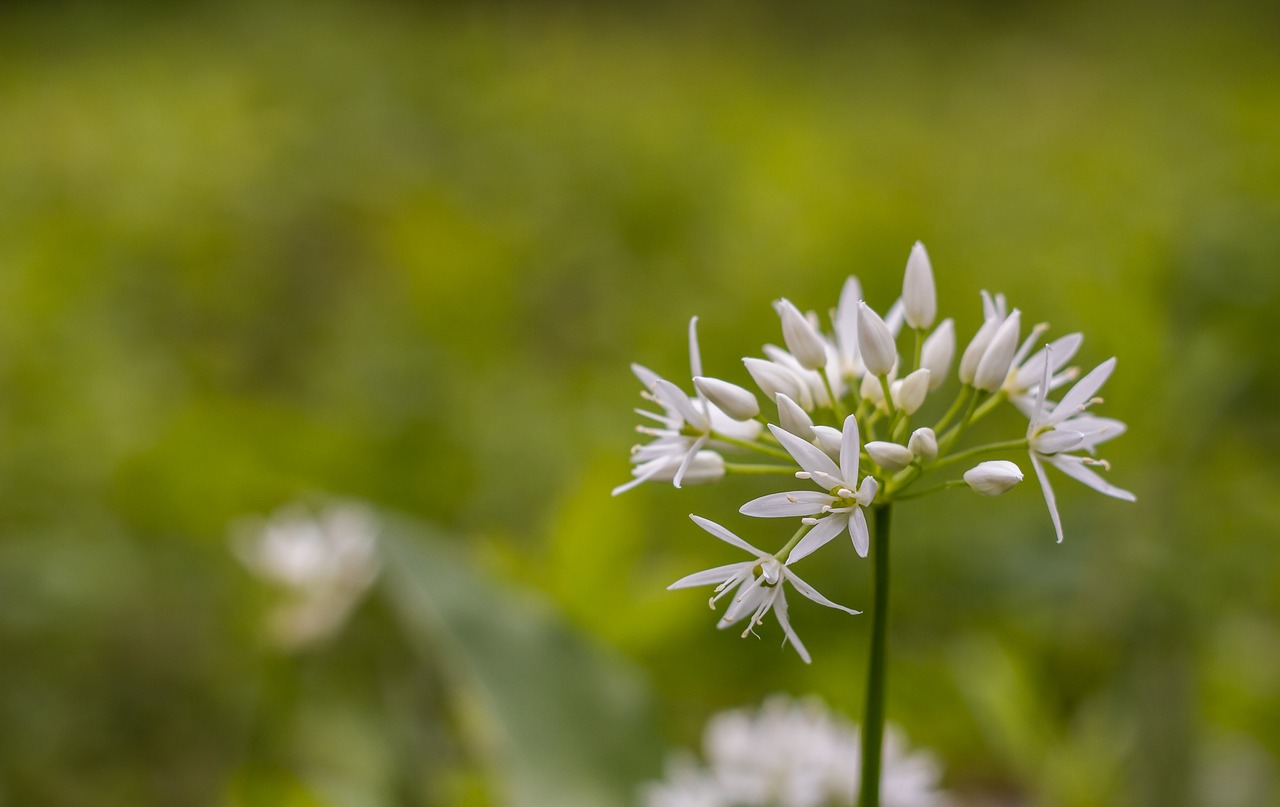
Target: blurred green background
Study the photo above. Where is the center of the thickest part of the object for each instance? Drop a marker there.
(254, 253)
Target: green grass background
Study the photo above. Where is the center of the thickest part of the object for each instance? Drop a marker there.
(251, 253)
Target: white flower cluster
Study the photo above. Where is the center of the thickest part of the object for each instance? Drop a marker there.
(323, 564)
(846, 400)
(792, 754)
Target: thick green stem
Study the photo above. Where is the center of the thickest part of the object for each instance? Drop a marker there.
(873, 716)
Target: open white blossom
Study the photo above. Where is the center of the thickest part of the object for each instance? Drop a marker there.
(792, 753)
(840, 507)
(323, 563)
(685, 428)
(1057, 429)
(756, 586)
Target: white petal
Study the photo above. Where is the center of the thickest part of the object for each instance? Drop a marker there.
(919, 296)
(845, 321)
(993, 477)
(809, 457)
(1048, 494)
(647, 377)
(821, 534)
(784, 505)
(1055, 440)
(1074, 401)
(1031, 371)
(711, 577)
(977, 346)
(867, 491)
(695, 356)
(813, 594)
(858, 532)
(850, 447)
(688, 460)
(910, 394)
(923, 444)
(671, 395)
(772, 379)
(745, 601)
(726, 536)
(1076, 468)
(780, 611)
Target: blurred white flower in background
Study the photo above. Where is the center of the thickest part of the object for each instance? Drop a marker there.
(323, 562)
(792, 753)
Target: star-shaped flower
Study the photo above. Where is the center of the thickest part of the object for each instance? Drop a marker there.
(840, 507)
(1057, 429)
(757, 586)
(686, 426)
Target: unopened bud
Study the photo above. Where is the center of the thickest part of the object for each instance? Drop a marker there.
(733, 400)
(889, 456)
(919, 297)
(923, 444)
(875, 341)
(993, 477)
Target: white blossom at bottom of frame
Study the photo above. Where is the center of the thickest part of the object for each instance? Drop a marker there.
(792, 753)
(322, 563)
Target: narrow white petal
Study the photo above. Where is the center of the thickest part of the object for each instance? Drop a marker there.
(813, 594)
(858, 532)
(845, 321)
(809, 457)
(726, 536)
(780, 611)
(867, 491)
(710, 577)
(672, 396)
(1048, 494)
(647, 377)
(1074, 401)
(977, 346)
(695, 355)
(745, 601)
(1076, 468)
(850, 447)
(821, 534)
(784, 505)
(1051, 442)
(688, 460)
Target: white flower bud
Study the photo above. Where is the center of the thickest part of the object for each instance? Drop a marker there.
(938, 351)
(909, 393)
(977, 346)
(993, 477)
(923, 444)
(875, 341)
(828, 439)
(772, 379)
(733, 400)
(803, 340)
(993, 369)
(792, 418)
(870, 389)
(919, 297)
(889, 456)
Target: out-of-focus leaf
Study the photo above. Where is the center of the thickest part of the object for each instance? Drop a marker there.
(561, 721)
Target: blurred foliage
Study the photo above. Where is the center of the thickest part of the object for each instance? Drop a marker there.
(253, 251)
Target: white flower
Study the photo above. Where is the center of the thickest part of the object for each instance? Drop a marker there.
(993, 477)
(909, 393)
(803, 340)
(919, 297)
(793, 753)
(754, 596)
(841, 507)
(846, 363)
(687, 425)
(1054, 430)
(324, 563)
(1024, 379)
(875, 341)
(794, 419)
